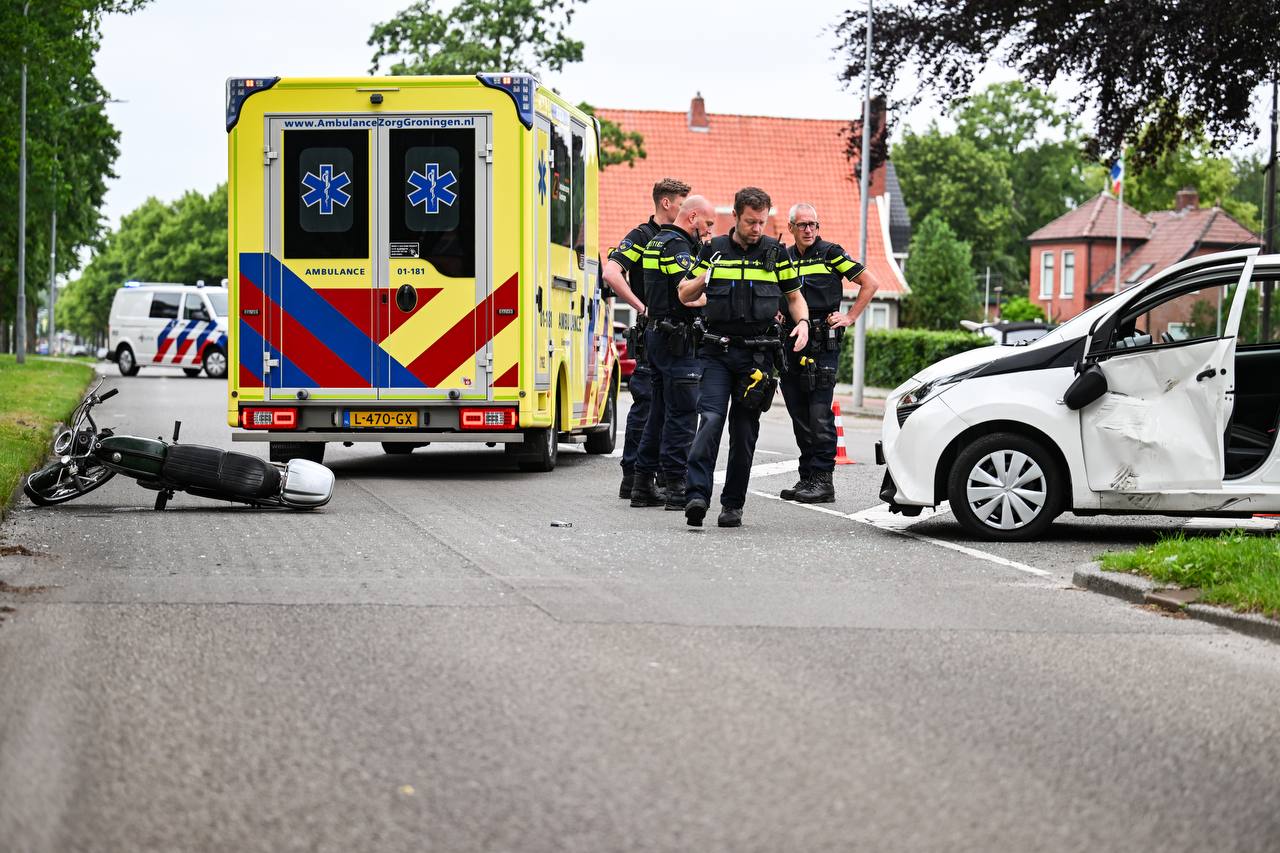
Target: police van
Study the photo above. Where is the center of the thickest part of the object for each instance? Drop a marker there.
(169, 325)
(415, 260)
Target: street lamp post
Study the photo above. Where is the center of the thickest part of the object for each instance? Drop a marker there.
(20, 320)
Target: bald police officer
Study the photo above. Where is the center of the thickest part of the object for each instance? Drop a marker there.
(809, 384)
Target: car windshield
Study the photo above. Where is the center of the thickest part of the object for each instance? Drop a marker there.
(1022, 336)
(218, 299)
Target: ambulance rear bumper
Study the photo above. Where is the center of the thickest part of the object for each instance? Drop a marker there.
(512, 437)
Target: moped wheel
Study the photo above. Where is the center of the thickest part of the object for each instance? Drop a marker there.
(58, 483)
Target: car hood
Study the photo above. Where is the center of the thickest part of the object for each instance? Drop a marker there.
(963, 361)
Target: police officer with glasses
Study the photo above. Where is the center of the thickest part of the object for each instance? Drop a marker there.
(668, 260)
(625, 275)
(809, 383)
(743, 276)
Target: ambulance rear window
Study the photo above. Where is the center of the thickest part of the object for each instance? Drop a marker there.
(326, 194)
(431, 188)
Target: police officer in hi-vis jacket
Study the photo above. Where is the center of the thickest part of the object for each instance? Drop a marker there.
(809, 384)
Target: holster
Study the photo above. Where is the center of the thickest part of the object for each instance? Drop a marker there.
(679, 337)
(757, 388)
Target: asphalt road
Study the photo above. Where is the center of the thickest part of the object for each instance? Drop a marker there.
(429, 664)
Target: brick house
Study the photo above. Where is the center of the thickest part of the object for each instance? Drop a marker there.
(792, 159)
(1073, 257)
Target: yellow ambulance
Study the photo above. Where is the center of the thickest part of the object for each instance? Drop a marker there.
(415, 260)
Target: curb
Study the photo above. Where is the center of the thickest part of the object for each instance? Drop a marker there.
(1138, 590)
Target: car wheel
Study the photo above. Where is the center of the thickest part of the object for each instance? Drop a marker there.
(215, 363)
(603, 441)
(541, 446)
(126, 361)
(1006, 487)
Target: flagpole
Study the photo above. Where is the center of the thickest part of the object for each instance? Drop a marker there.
(860, 327)
(1119, 219)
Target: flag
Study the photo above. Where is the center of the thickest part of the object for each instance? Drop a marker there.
(1117, 176)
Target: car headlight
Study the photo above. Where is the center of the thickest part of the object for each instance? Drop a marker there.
(917, 396)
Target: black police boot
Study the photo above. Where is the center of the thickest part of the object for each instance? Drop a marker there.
(643, 491)
(790, 494)
(694, 511)
(660, 485)
(628, 483)
(675, 494)
(819, 491)
(730, 516)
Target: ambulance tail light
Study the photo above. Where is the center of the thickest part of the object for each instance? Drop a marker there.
(272, 418)
(483, 419)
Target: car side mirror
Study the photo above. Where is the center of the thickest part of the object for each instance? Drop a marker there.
(1088, 386)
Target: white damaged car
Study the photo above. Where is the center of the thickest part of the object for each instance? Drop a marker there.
(1162, 399)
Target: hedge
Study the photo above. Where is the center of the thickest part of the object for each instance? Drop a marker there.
(895, 355)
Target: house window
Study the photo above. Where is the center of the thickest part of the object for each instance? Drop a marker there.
(1046, 275)
(1068, 273)
(877, 316)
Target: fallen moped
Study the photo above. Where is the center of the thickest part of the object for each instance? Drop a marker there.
(85, 457)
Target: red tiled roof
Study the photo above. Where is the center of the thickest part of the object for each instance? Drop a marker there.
(1175, 236)
(1095, 218)
(793, 160)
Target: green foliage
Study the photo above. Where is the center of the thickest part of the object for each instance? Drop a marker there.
(1154, 186)
(493, 35)
(1233, 569)
(477, 35)
(71, 146)
(33, 398)
(895, 355)
(1154, 74)
(184, 241)
(1013, 164)
(1019, 309)
(938, 270)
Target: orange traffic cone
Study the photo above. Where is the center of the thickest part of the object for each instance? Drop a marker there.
(842, 455)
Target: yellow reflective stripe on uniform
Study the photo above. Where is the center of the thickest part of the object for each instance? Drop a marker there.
(719, 272)
(670, 268)
(785, 273)
(843, 265)
(813, 268)
(632, 253)
(650, 260)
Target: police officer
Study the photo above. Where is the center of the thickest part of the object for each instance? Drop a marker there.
(669, 258)
(743, 276)
(621, 271)
(807, 387)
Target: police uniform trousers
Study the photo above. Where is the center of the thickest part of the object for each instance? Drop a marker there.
(673, 410)
(812, 420)
(641, 386)
(722, 370)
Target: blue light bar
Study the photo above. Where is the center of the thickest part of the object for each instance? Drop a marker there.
(238, 91)
(520, 87)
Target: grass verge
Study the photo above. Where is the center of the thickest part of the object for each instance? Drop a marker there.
(33, 397)
(1234, 570)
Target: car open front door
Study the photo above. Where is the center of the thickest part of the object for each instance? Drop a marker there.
(1168, 357)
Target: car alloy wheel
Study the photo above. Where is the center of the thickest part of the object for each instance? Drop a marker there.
(1006, 490)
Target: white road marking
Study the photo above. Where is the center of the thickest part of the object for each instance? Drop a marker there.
(1253, 524)
(768, 469)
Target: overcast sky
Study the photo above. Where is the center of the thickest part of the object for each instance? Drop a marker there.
(170, 61)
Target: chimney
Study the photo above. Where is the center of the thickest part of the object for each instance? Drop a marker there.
(698, 114)
(1186, 197)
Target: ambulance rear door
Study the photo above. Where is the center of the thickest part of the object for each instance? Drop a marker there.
(436, 308)
(315, 283)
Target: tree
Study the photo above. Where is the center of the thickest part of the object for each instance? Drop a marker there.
(938, 270)
(1155, 185)
(71, 145)
(184, 241)
(1157, 74)
(1020, 308)
(969, 190)
(491, 35)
